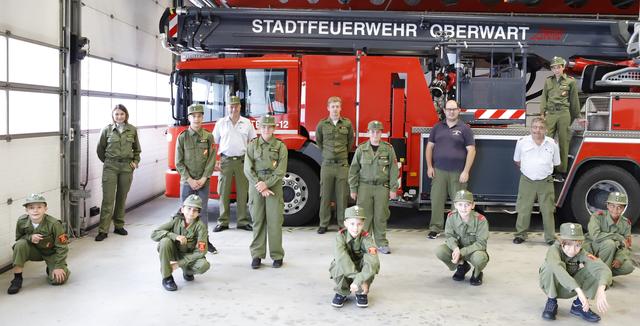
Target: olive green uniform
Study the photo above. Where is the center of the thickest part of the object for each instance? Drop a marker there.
(373, 175)
(355, 261)
(560, 275)
(335, 141)
(53, 248)
(116, 150)
(195, 158)
(471, 237)
(266, 161)
(190, 256)
(560, 105)
(606, 239)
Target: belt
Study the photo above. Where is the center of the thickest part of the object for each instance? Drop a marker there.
(376, 183)
(531, 180)
(334, 161)
(265, 171)
(555, 107)
(119, 160)
(241, 157)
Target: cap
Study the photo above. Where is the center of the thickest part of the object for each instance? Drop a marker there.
(34, 198)
(193, 201)
(234, 100)
(463, 195)
(195, 108)
(267, 120)
(571, 231)
(354, 212)
(375, 125)
(617, 198)
(558, 61)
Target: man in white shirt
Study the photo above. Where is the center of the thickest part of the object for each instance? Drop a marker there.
(536, 155)
(232, 134)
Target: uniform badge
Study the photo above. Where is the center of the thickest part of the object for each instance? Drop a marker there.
(63, 239)
(202, 246)
(373, 250)
(206, 151)
(564, 93)
(592, 257)
(274, 164)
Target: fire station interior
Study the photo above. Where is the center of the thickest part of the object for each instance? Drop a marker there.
(64, 66)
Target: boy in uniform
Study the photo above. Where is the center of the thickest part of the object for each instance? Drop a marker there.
(39, 236)
(355, 262)
(183, 243)
(466, 235)
(569, 270)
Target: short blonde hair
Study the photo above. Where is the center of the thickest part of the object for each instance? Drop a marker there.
(334, 99)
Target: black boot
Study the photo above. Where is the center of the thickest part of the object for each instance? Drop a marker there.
(550, 309)
(16, 284)
(461, 271)
(169, 284)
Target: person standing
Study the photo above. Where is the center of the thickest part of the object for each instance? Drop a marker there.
(373, 180)
(334, 136)
(536, 155)
(195, 160)
(265, 164)
(119, 150)
(559, 106)
(232, 134)
(449, 154)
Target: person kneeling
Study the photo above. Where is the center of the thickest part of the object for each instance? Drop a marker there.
(183, 243)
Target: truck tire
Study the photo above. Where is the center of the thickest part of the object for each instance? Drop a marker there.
(301, 193)
(591, 190)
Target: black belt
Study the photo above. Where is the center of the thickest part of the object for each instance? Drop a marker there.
(241, 157)
(119, 160)
(376, 183)
(556, 108)
(334, 161)
(265, 171)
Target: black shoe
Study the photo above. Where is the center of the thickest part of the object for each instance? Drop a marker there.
(120, 231)
(255, 263)
(590, 316)
(169, 284)
(550, 309)
(277, 263)
(476, 280)
(211, 248)
(518, 240)
(322, 230)
(362, 301)
(101, 236)
(461, 271)
(558, 178)
(432, 235)
(220, 228)
(338, 300)
(246, 227)
(188, 277)
(16, 285)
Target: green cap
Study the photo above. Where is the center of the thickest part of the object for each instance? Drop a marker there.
(463, 195)
(375, 125)
(267, 120)
(34, 198)
(617, 198)
(571, 231)
(354, 212)
(234, 100)
(193, 201)
(557, 61)
(195, 108)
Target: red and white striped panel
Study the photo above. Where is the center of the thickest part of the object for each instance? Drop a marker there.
(498, 114)
(173, 25)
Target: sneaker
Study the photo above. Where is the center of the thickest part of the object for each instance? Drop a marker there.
(461, 271)
(211, 248)
(322, 230)
(550, 309)
(518, 240)
(169, 284)
(362, 301)
(16, 285)
(433, 235)
(220, 228)
(246, 227)
(384, 249)
(120, 231)
(476, 281)
(277, 263)
(576, 309)
(188, 277)
(338, 300)
(255, 263)
(101, 236)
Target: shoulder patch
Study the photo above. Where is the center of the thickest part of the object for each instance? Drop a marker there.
(481, 217)
(592, 257)
(451, 213)
(63, 238)
(202, 246)
(341, 231)
(364, 233)
(628, 221)
(373, 250)
(600, 213)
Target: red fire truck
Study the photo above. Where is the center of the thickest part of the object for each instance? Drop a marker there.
(399, 67)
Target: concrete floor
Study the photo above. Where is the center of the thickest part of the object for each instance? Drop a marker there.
(117, 282)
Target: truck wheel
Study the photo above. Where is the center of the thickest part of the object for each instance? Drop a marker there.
(593, 187)
(301, 193)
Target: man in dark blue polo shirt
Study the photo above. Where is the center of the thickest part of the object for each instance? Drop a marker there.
(450, 153)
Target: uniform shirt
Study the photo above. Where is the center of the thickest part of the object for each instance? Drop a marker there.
(470, 236)
(335, 140)
(356, 258)
(450, 145)
(266, 161)
(376, 168)
(564, 267)
(232, 139)
(196, 234)
(560, 94)
(194, 155)
(54, 240)
(602, 227)
(536, 161)
(114, 145)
